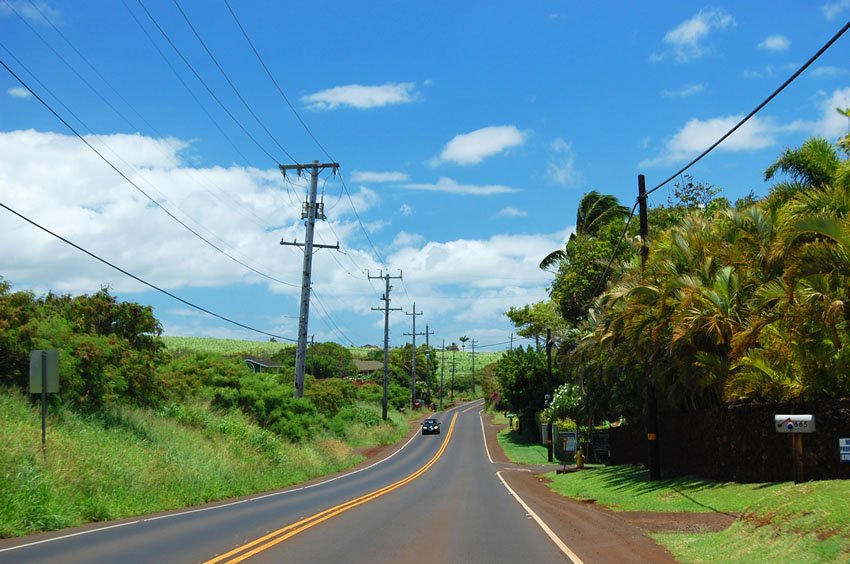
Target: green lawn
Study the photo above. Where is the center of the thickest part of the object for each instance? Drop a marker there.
(780, 522)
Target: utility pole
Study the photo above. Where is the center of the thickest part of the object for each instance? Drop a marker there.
(413, 368)
(452, 385)
(442, 372)
(550, 446)
(311, 212)
(428, 361)
(651, 397)
(386, 309)
(512, 341)
(473, 368)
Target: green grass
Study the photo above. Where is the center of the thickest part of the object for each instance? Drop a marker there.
(792, 523)
(224, 346)
(136, 461)
(783, 522)
(521, 452)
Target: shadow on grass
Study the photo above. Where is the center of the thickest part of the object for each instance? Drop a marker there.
(636, 480)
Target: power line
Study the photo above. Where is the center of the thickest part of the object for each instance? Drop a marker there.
(714, 145)
(766, 101)
(139, 279)
(230, 82)
(185, 86)
(203, 82)
(330, 321)
(136, 186)
(309, 132)
(271, 76)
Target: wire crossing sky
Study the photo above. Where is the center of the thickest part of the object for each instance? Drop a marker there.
(466, 138)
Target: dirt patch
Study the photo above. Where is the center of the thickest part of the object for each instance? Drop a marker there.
(677, 521)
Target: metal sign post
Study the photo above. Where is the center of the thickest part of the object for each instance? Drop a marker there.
(44, 379)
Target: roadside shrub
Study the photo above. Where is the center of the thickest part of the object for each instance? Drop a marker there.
(331, 395)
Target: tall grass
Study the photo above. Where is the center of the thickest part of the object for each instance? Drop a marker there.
(131, 461)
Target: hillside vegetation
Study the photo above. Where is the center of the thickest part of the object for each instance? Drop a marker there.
(139, 427)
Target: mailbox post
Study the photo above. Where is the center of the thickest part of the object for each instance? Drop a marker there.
(796, 426)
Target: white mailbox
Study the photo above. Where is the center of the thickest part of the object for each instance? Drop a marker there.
(794, 423)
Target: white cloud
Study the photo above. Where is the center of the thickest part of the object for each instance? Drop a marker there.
(687, 40)
(242, 210)
(451, 186)
(405, 239)
(492, 274)
(34, 12)
(406, 209)
(19, 92)
(697, 135)
(473, 147)
(832, 9)
(685, 91)
(775, 43)
(828, 72)
(561, 164)
(511, 212)
(361, 97)
(831, 124)
(370, 176)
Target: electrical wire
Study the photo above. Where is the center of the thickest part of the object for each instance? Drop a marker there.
(714, 145)
(230, 82)
(765, 102)
(139, 279)
(203, 82)
(90, 65)
(309, 132)
(185, 86)
(136, 186)
(271, 76)
(328, 319)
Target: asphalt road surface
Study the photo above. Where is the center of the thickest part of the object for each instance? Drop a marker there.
(439, 498)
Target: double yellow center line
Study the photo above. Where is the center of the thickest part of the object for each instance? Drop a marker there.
(275, 537)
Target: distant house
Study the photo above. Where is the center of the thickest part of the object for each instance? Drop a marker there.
(368, 367)
(258, 364)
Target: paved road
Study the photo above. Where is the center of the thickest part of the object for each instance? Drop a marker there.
(438, 499)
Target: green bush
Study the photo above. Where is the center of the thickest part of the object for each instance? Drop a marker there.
(331, 395)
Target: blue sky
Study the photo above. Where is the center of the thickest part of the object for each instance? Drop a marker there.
(466, 132)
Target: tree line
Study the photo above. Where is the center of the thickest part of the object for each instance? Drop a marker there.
(738, 302)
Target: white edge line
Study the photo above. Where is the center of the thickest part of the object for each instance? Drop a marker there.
(71, 535)
(549, 532)
(222, 506)
(484, 436)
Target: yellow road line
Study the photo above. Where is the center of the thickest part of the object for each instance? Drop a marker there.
(267, 541)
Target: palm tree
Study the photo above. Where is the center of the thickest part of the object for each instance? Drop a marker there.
(812, 164)
(594, 211)
(463, 341)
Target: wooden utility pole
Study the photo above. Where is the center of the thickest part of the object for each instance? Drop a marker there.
(651, 397)
(428, 333)
(473, 367)
(386, 309)
(550, 445)
(311, 212)
(442, 372)
(413, 367)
